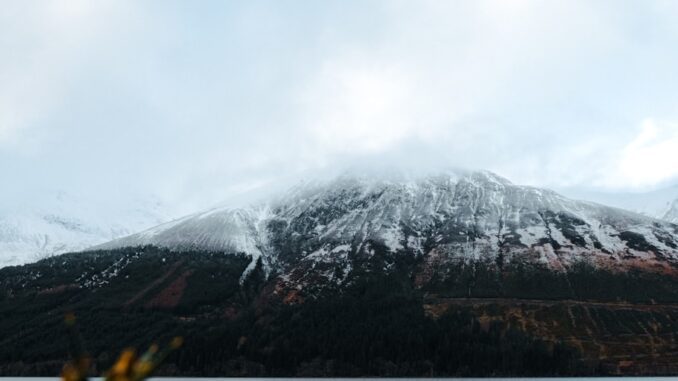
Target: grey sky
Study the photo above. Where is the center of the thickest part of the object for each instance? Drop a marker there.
(199, 101)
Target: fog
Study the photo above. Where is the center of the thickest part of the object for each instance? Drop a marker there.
(198, 103)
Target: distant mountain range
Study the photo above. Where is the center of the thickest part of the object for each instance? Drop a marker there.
(661, 203)
(56, 222)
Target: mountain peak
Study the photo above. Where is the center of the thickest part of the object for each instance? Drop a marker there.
(460, 215)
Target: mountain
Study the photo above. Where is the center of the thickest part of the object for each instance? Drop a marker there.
(443, 217)
(671, 213)
(449, 274)
(56, 222)
(659, 203)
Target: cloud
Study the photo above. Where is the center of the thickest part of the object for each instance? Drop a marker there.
(198, 103)
(357, 107)
(44, 45)
(650, 158)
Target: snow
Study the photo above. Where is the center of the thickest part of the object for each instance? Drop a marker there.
(671, 213)
(661, 203)
(469, 215)
(530, 235)
(56, 222)
(391, 239)
(341, 248)
(415, 244)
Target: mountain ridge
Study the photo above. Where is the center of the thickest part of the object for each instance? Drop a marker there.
(464, 214)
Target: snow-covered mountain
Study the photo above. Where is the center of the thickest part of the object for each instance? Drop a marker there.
(671, 213)
(54, 222)
(661, 203)
(450, 252)
(452, 216)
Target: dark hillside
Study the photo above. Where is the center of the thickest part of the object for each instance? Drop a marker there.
(478, 319)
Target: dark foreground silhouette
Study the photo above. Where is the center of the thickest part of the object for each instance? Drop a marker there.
(480, 322)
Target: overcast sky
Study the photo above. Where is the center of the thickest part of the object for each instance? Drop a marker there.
(198, 101)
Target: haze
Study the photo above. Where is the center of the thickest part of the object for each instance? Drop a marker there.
(197, 102)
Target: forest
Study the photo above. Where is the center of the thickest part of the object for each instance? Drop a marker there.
(375, 325)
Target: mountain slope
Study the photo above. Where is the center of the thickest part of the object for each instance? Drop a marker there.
(443, 217)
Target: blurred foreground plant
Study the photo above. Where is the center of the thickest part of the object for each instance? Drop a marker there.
(128, 367)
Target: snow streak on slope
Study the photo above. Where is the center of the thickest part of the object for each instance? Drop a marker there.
(229, 230)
